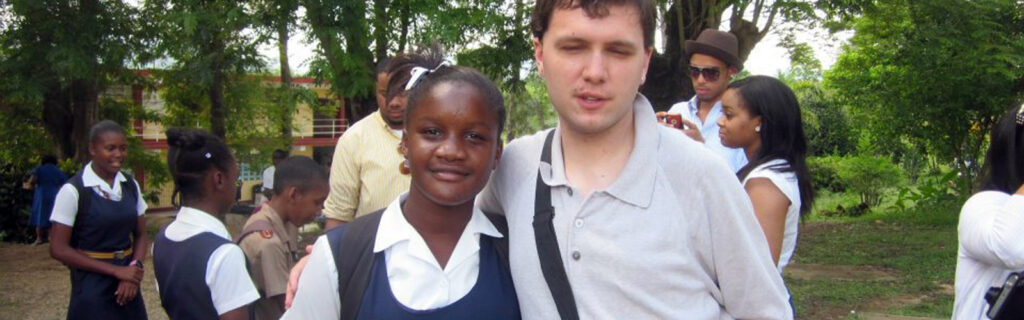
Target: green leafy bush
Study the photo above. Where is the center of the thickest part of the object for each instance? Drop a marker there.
(869, 176)
(824, 173)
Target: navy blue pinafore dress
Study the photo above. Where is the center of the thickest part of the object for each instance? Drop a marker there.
(106, 226)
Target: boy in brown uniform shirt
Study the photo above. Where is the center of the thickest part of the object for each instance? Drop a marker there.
(270, 236)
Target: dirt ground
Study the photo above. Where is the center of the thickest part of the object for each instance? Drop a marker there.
(33, 286)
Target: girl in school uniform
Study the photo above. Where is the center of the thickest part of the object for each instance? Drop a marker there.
(99, 232)
(431, 254)
(200, 273)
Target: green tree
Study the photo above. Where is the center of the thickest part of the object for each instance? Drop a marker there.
(279, 17)
(57, 57)
(933, 73)
(211, 44)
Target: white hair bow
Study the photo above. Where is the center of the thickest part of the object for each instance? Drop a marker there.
(419, 72)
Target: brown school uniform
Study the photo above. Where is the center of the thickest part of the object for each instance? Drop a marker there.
(271, 248)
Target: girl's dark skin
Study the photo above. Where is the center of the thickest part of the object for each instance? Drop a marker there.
(219, 196)
(107, 152)
(452, 145)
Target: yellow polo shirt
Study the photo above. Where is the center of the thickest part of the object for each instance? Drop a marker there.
(364, 173)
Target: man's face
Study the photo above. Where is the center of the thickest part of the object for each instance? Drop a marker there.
(392, 111)
(593, 67)
(305, 206)
(712, 77)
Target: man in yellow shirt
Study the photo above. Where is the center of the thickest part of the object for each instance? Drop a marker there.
(365, 172)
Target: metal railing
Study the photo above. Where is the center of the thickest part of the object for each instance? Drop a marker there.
(321, 128)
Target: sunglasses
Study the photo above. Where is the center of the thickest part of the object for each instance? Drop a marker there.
(709, 73)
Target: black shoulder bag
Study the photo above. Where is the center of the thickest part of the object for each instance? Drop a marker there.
(547, 244)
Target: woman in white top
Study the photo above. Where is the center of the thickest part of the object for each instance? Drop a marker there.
(762, 116)
(991, 221)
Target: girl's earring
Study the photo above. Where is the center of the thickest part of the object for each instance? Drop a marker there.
(403, 168)
(757, 129)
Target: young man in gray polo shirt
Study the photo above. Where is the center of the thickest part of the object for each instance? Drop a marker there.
(649, 224)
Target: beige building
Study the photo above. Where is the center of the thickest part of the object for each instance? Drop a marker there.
(315, 135)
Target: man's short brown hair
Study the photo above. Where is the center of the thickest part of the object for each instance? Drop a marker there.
(542, 11)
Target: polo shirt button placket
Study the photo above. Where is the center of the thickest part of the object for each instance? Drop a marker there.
(576, 255)
(579, 223)
(569, 190)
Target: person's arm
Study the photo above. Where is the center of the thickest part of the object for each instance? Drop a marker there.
(331, 223)
(242, 313)
(343, 199)
(989, 229)
(65, 209)
(317, 297)
(61, 250)
(228, 280)
(750, 284)
(126, 290)
(770, 207)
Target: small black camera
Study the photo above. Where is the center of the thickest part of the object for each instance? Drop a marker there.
(1007, 302)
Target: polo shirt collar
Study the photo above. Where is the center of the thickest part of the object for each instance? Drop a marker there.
(394, 228)
(202, 222)
(635, 184)
(91, 179)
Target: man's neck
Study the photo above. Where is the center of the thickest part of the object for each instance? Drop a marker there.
(276, 207)
(704, 108)
(593, 161)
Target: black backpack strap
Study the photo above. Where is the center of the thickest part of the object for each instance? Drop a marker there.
(84, 198)
(500, 244)
(352, 247)
(254, 227)
(128, 187)
(547, 244)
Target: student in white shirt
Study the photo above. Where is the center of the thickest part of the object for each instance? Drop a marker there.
(200, 272)
(432, 253)
(991, 229)
(99, 232)
(268, 175)
(761, 115)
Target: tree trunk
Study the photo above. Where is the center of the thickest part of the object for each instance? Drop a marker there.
(403, 37)
(59, 120)
(85, 107)
(217, 113)
(287, 100)
(380, 29)
(667, 80)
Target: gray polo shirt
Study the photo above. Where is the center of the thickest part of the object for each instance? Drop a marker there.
(674, 237)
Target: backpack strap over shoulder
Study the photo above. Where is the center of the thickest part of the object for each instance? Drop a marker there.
(254, 227)
(500, 244)
(84, 198)
(352, 247)
(128, 186)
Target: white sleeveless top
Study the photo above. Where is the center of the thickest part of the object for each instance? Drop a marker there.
(787, 183)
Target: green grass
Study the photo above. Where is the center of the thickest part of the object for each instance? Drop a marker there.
(918, 245)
